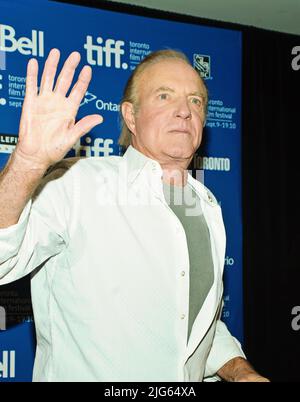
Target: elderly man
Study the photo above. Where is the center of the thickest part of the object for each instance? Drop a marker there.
(126, 281)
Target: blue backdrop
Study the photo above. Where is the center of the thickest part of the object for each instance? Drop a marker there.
(113, 44)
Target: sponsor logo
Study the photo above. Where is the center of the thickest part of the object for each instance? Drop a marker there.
(8, 364)
(105, 52)
(2, 319)
(2, 63)
(109, 106)
(89, 97)
(33, 45)
(296, 59)
(211, 163)
(100, 103)
(93, 147)
(8, 143)
(202, 65)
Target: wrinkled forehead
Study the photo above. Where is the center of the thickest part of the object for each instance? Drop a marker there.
(170, 72)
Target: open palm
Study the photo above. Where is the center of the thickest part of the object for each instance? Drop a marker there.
(47, 127)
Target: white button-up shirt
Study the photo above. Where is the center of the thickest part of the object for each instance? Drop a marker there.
(110, 276)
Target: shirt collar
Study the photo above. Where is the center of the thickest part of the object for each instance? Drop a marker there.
(136, 162)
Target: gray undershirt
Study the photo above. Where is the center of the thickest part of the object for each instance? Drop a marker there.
(187, 207)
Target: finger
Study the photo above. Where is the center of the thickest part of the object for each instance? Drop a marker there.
(31, 78)
(85, 125)
(66, 75)
(49, 71)
(81, 86)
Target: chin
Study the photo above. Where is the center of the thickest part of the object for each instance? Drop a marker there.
(180, 152)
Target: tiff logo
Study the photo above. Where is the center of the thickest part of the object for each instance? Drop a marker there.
(8, 365)
(296, 59)
(101, 54)
(101, 147)
(2, 319)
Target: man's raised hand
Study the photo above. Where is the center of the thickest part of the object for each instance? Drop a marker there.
(47, 127)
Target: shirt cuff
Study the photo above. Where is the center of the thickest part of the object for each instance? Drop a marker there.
(225, 348)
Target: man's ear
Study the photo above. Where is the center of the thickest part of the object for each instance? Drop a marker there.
(128, 116)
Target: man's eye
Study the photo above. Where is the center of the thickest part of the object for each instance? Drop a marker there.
(163, 96)
(196, 101)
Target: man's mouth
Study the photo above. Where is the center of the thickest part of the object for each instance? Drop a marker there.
(180, 130)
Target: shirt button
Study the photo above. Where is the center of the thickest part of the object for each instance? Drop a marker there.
(210, 199)
(182, 273)
(182, 316)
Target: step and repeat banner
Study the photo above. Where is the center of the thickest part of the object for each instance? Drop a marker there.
(113, 44)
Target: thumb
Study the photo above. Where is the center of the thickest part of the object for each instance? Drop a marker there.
(85, 125)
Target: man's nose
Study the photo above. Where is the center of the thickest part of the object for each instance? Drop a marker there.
(183, 109)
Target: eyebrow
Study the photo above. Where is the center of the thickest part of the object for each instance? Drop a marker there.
(168, 89)
(197, 93)
(160, 89)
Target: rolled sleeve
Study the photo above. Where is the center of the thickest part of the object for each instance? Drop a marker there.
(224, 348)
